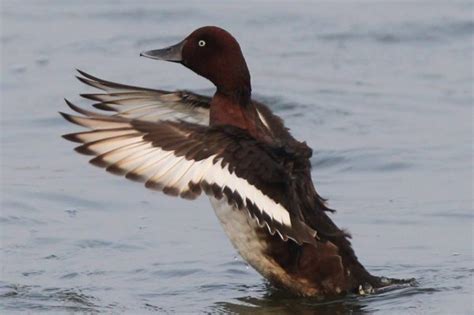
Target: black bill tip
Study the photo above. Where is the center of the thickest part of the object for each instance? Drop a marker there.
(172, 53)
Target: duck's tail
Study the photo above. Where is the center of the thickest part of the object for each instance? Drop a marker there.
(383, 284)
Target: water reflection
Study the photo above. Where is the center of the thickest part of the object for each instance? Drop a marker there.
(277, 302)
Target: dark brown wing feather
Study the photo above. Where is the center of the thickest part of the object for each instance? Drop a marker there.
(181, 158)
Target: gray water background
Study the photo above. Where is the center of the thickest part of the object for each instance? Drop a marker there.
(382, 92)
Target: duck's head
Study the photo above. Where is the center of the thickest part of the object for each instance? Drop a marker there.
(212, 53)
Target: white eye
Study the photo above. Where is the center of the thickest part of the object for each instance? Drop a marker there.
(201, 43)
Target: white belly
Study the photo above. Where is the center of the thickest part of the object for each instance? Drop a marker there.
(243, 232)
(250, 241)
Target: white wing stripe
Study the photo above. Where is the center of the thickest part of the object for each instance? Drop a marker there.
(222, 177)
(161, 169)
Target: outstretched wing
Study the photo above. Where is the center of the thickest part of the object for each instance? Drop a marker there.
(147, 104)
(184, 159)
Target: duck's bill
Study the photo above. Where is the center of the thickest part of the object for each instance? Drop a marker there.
(172, 53)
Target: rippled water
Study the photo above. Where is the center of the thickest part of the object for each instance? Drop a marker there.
(382, 92)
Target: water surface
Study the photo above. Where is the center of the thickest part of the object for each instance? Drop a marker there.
(381, 92)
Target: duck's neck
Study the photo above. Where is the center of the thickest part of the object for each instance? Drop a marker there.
(234, 108)
(241, 94)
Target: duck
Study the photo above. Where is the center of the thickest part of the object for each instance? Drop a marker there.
(236, 151)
